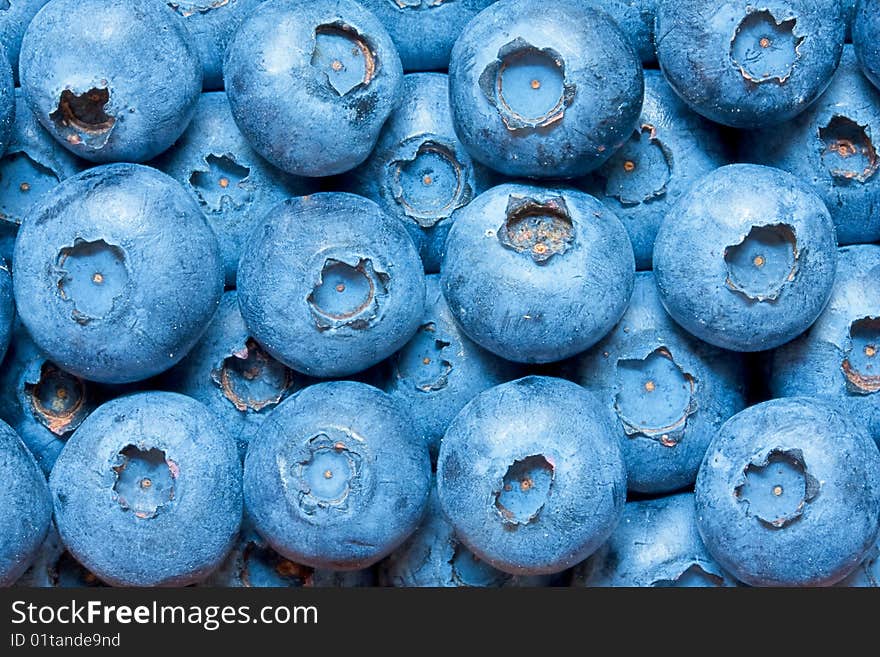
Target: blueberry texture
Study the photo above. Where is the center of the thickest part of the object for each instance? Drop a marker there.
(419, 171)
(55, 567)
(232, 184)
(34, 163)
(7, 307)
(311, 82)
(747, 64)
(330, 285)
(670, 149)
(231, 374)
(669, 392)
(25, 507)
(15, 16)
(434, 557)
(7, 101)
(745, 260)
(635, 18)
(832, 147)
(335, 477)
(656, 544)
(866, 38)
(211, 24)
(840, 355)
(42, 402)
(425, 30)
(117, 274)
(111, 81)
(147, 492)
(440, 370)
(552, 95)
(531, 477)
(788, 494)
(537, 274)
(867, 574)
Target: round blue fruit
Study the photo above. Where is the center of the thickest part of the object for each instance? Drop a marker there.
(7, 101)
(147, 492)
(537, 274)
(116, 273)
(746, 259)
(788, 494)
(531, 477)
(866, 38)
(335, 477)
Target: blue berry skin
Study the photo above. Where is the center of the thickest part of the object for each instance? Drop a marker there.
(866, 38)
(746, 259)
(656, 544)
(419, 171)
(425, 30)
(54, 567)
(531, 476)
(25, 507)
(147, 492)
(788, 494)
(669, 392)
(117, 274)
(440, 370)
(311, 82)
(670, 149)
(111, 81)
(40, 401)
(552, 94)
(232, 184)
(336, 477)
(749, 65)
(537, 274)
(434, 557)
(211, 24)
(232, 375)
(330, 285)
(7, 102)
(831, 147)
(253, 564)
(867, 574)
(15, 16)
(840, 355)
(635, 18)
(7, 307)
(34, 163)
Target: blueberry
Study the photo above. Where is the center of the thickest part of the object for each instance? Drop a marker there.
(7, 101)
(434, 557)
(231, 374)
(865, 35)
(788, 494)
(831, 147)
(211, 24)
(7, 307)
(840, 355)
(147, 492)
(330, 285)
(425, 30)
(335, 477)
(311, 82)
(745, 260)
(25, 507)
(551, 95)
(440, 370)
(537, 274)
(42, 402)
(117, 274)
(15, 16)
(233, 185)
(749, 65)
(34, 163)
(670, 149)
(531, 477)
(635, 18)
(670, 393)
(111, 81)
(419, 172)
(55, 567)
(656, 544)
(252, 563)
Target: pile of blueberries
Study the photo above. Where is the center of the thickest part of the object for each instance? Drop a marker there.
(440, 292)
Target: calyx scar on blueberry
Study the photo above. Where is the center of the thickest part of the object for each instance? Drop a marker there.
(527, 86)
(775, 488)
(763, 262)
(82, 118)
(639, 172)
(251, 379)
(221, 180)
(145, 480)
(861, 365)
(92, 275)
(343, 57)
(765, 49)
(524, 490)
(539, 228)
(348, 295)
(57, 399)
(328, 475)
(847, 150)
(424, 361)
